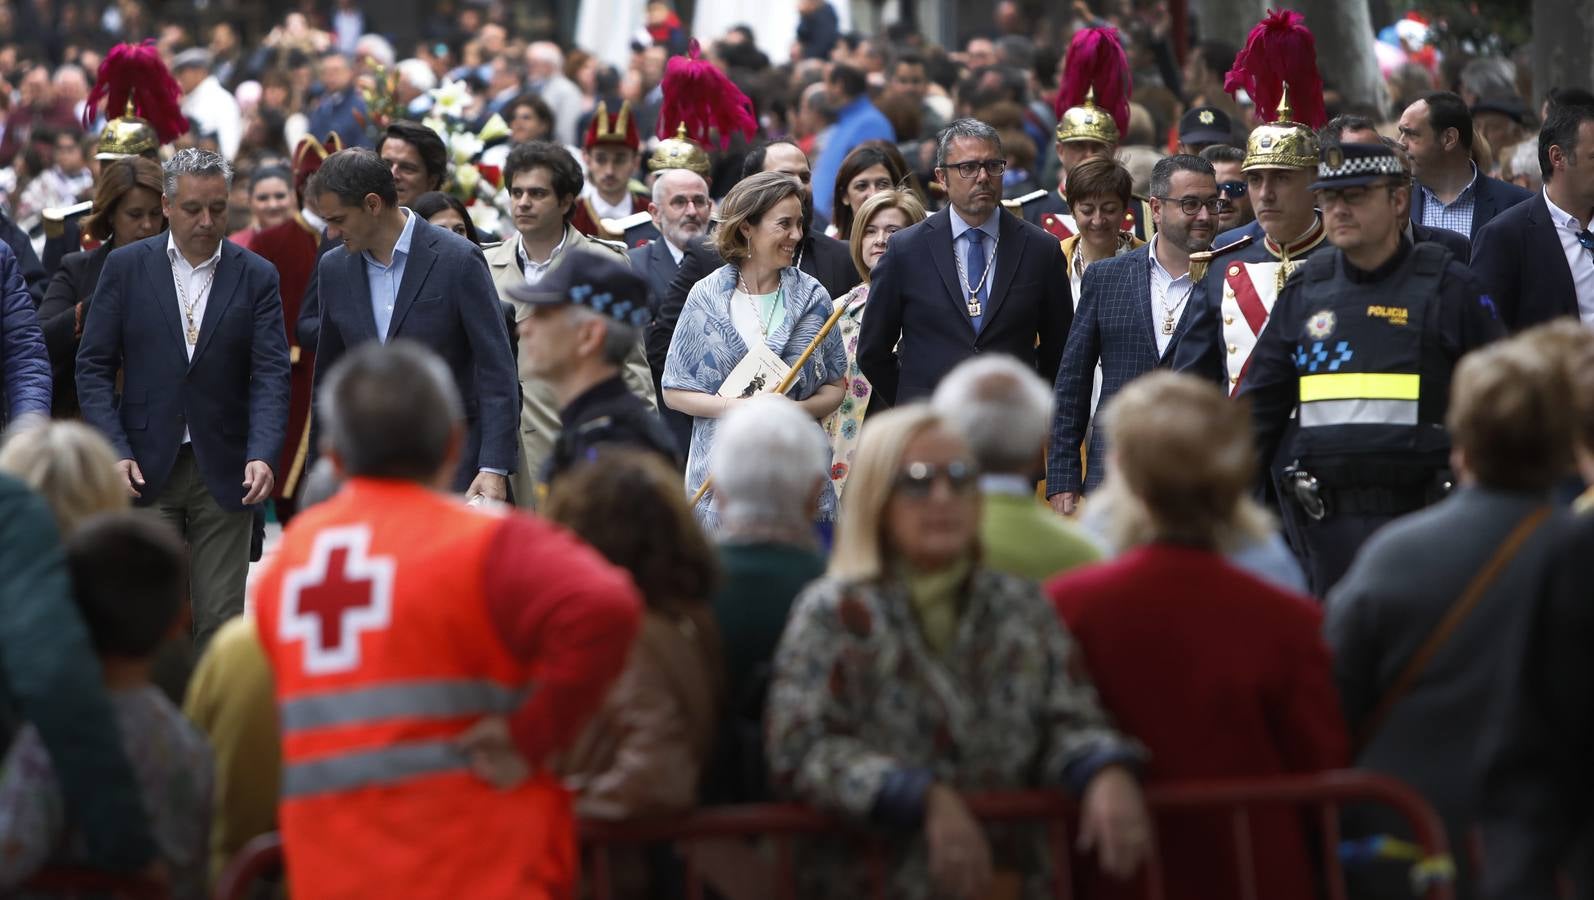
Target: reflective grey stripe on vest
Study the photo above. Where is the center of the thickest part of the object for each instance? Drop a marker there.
(1321, 413)
(372, 768)
(404, 700)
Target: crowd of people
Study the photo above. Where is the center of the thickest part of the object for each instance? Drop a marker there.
(416, 454)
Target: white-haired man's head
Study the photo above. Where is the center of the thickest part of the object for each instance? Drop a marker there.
(769, 463)
(1003, 410)
(681, 205)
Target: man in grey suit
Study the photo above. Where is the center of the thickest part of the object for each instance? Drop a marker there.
(1132, 311)
(399, 277)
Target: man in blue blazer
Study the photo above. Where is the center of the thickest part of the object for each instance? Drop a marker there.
(194, 324)
(973, 278)
(1351, 129)
(399, 277)
(1536, 259)
(24, 362)
(1133, 309)
(1451, 193)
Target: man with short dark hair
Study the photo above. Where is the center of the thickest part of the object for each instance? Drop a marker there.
(1227, 164)
(582, 324)
(970, 279)
(1536, 260)
(1451, 192)
(857, 121)
(1133, 309)
(1349, 129)
(544, 184)
(910, 78)
(417, 157)
(428, 658)
(1350, 380)
(192, 326)
(448, 304)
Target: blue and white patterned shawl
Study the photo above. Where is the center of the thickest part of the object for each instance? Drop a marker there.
(706, 348)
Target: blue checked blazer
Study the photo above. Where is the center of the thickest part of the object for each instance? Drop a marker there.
(1113, 326)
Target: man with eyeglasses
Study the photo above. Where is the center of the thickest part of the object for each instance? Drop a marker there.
(681, 208)
(1238, 282)
(1227, 162)
(1351, 377)
(1132, 312)
(969, 280)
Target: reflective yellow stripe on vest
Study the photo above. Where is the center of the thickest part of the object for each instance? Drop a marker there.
(1360, 386)
(1359, 398)
(421, 699)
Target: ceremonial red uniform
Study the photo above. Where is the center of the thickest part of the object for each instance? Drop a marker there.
(293, 247)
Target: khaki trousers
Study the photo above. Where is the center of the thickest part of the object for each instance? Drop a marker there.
(218, 545)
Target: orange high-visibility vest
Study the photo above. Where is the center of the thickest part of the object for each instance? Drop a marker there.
(374, 616)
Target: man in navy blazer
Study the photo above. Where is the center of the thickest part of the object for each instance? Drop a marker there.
(973, 278)
(194, 324)
(1351, 129)
(25, 379)
(1133, 309)
(1536, 260)
(399, 277)
(1437, 133)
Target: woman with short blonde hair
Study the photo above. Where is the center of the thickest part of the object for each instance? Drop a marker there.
(758, 306)
(70, 465)
(910, 674)
(878, 219)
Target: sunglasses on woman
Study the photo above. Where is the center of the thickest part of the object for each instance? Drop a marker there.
(918, 479)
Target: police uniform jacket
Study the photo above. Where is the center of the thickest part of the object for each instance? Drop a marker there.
(1312, 334)
(607, 414)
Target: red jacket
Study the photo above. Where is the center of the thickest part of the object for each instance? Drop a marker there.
(1219, 675)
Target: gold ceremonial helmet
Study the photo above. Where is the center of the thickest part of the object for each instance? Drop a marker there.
(126, 135)
(1282, 143)
(680, 152)
(1087, 123)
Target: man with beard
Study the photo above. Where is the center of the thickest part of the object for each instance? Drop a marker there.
(680, 209)
(1131, 310)
(1352, 375)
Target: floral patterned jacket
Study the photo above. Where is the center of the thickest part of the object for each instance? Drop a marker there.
(859, 697)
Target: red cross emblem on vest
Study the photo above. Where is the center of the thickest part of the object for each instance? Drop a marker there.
(339, 593)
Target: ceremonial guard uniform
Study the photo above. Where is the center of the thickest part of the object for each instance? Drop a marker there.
(635, 228)
(1098, 70)
(1239, 283)
(1360, 362)
(294, 247)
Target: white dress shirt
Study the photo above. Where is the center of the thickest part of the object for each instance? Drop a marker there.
(532, 270)
(195, 283)
(1579, 260)
(1166, 292)
(604, 208)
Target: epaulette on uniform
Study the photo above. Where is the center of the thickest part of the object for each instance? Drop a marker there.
(1031, 197)
(1202, 259)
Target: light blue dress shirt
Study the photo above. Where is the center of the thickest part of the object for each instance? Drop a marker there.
(385, 280)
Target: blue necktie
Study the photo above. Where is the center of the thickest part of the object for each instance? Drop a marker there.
(976, 273)
(1586, 239)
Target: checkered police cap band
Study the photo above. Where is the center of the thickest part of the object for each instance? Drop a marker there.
(1363, 165)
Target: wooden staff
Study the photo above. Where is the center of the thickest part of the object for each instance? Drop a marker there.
(785, 383)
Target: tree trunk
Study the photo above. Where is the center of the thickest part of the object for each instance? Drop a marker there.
(1228, 21)
(1563, 45)
(1345, 52)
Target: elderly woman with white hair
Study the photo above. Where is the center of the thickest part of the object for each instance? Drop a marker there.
(769, 464)
(911, 674)
(1001, 408)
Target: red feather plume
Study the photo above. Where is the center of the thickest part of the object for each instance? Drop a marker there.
(1279, 51)
(135, 72)
(1096, 60)
(697, 93)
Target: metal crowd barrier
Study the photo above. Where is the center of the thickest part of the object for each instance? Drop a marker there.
(1325, 794)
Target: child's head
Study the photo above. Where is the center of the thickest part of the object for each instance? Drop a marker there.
(128, 572)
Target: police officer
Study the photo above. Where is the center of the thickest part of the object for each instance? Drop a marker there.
(585, 322)
(1240, 279)
(1360, 350)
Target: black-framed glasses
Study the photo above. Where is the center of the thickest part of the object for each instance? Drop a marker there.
(918, 479)
(1232, 189)
(970, 169)
(1192, 205)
